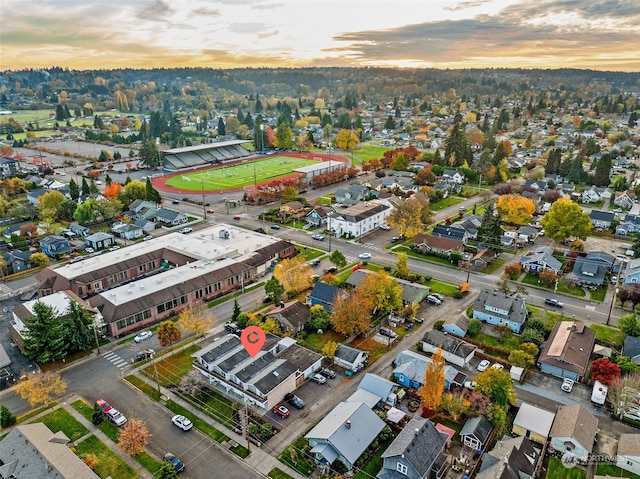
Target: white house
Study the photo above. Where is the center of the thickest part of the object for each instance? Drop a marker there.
(454, 350)
(360, 219)
(629, 453)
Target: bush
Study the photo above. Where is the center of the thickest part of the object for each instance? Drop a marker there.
(6, 417)
(530, 335)
(458, 294)
(438, 325)
(475, 325)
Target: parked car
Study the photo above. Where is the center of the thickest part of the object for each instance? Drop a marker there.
(470, 385)
(318, 237)
(553, 302)
(147, 238)
(314, 262)
(364, 256)
(331, 270)
(388, 333)
(236, 217)
(385, 227)
(433, 300)
(182, 422)
(104, 405)
(318, 378)
(483, 365)
(567, 385)
(542, 233)
(175, 202)
(497, 366)
(614, 279)
(146, 354)
(142, 335)
(419, 320)
(210, 210)
(275, 227)
(328, 373)
(281, 411)
(184, 231)
(233, 328)
(114, 248)
(172, 459)
(395, 239)
(438, 295)
(295, 400)
(116, 417)
(90, 250)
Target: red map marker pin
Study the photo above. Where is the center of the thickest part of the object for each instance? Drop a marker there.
(252, 339)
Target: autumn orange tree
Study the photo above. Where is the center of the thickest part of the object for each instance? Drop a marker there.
(195, 319)
(382, 291)
(134, 437)
(41, 388)
(113, 190)
(515, 209)
(548, 276)
(294, 274)
(168, 333)
(351, 314)
(513, 270)
(433, 386)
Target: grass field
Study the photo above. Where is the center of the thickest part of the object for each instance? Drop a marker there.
(237, 176)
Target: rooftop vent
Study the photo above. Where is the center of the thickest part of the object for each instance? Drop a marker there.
(348, 424)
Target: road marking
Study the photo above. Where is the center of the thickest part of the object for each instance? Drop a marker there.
(116, 360)
(590, 308)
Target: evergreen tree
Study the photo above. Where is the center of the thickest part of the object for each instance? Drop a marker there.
(258, 108)
(6, 416)
(98, 124)
(565, 166)
(59, 112)
(85, 187)
(74, 191)
(93, 189)
(151, 194)
(221, 127)
(490, 230)
(602, 175)
(240, 116)
(78, 328)
(326, 120)
(107, 179)
(150, 155)
(236, 310)
(127, 180)
(44, 339)
(457, 148)
(576, 171)
(553, 162)
(98, 415)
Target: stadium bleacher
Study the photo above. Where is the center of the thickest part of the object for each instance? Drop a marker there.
(191, 157)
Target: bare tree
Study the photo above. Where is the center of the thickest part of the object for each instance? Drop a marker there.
(624, 392)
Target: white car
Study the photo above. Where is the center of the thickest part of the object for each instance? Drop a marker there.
(318, 378)
(470, 385)
(184, 231)
(567, 385)
(116, 417)
(90, 250)
(114, 248)
(497, 366)
(364, 256)
(182, 422)
(483, 365)
(385, 227)
(141, 336)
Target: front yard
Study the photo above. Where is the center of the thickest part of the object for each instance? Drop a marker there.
(557, 470)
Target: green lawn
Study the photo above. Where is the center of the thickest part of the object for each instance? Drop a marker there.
(111, 431)
(445, 203)
(278, 474)
(315, 341)
(109, 463)
(61, 420)
(239, 175)
(173, 368)
(374, 464)
(557, 471)
(304, 463)
(607, 469)
(25, 116)
(309, 253)
(510, 343)
(608, 333)
(534, 280)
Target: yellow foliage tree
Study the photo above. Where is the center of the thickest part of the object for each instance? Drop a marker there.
(351, 314)
(195, 319)
(294, 274)
(168, 333)
(270, 325)
(133, 437)
(329, 349)
(515, 209)
(347, 139)
(406, 217)
(41, 388)
(433, 386)
(382, 291)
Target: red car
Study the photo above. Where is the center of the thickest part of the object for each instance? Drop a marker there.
(236, 217)
(210, 210)
(104, 405)
(281, 411)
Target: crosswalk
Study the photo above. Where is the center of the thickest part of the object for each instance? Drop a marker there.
(372, 246)
(116, 360)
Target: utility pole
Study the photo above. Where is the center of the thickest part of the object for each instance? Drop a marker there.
(246, 424)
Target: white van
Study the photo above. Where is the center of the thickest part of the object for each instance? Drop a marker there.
(599, 393)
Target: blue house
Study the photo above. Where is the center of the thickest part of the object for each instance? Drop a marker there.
(410, 366)
(17, 260)
(53, 245)
(495, 307)
(323, 294)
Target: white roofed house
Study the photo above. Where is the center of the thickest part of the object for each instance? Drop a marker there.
(344, 434)
(359, 219)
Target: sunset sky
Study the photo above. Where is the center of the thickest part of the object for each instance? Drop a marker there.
(85, 34)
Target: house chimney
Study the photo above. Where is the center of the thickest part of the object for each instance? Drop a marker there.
(348, 424)
(416, 431)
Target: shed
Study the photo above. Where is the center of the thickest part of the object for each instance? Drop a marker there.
(533, 422)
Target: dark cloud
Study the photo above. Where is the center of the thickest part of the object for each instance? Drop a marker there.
(588, 10)
(157, 10)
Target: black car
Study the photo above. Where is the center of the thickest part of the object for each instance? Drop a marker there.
(177, 464)
(275, 227)
(294, 400)
(146, 354)
(328, 373)
(314, 262)
(553, 302)
(331, 270)
(233, 328)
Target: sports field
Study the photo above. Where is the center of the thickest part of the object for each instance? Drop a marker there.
(238, 175)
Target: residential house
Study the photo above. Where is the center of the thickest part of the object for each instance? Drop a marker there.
(319, 215)
(601, 220)
(9, 167)
(34, 195)
(471, 224)
(171, 217)
(127, 231)
(99, 240)
(261, 380)
(592, 195)
(143, 209)
(146, 225)
(455, 176)
(383, 389)
(538, 185)
(15, 230)
(483, 258)
(458, 325)
(567, 351)
(475, 433)
(436, 244)
(623, 200)
(79, 230)
(17, 260)
(592, 269)
(34, 451)
(54, 245)
(359, 219)
(632, 271)
(628, 457)
(292, 317)
(60, 304)
(323, 294)
(631, 348)
(410, 366)
(418, 452)
(292, 209)
(412, 293)
(344, 434)
(573, 433)
(540, 259)
(533, 422)
(497, 308)
(351, 195)
(510, 458)
(527, 233)
(452, 232)
(455, 351)
(630, 224)
(350, 358)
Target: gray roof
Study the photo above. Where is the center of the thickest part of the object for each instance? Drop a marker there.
(347, 353)
(448, 343)
(411, 292)
(588, 271)
(413, 365)
(631, 346)
(602, 215)
(514, 306)
(477, 427)
(99, 236)
(542, 254)
(419, 444)
(350, 442)
(381, 387)
(33, 451)
(576, 422)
